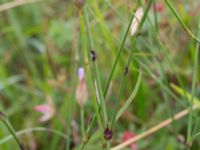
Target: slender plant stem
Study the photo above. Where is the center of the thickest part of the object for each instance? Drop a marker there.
(194, 80)
(82, 122)
(97, 114)
(35, 129)
(153, 129)
(155, 16)
(117, 57)
(122, 85)
(171, 7)
(13, 4)
(11, 130)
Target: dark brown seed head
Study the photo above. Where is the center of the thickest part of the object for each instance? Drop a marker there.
(93, 55)
(108, 134)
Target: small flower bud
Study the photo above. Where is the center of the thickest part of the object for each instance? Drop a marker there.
(81, 74)
(81, 90)
(136, 20)
(108, 134)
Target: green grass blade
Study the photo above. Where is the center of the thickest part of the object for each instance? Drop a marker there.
(183, 93)
(117, 57)
(171, 7)
(194, 81)
(131, 97)
(36, 129)
(10, 128)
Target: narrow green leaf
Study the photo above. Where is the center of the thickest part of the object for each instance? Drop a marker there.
(189, 96)
(173, 10)
(131, 97)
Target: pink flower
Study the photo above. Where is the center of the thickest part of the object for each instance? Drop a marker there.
(128, 135)
(46, 109)
(159, 7)
(81, 90)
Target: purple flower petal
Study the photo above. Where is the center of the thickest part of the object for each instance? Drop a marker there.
(80, 73)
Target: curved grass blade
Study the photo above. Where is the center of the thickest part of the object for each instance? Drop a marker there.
(12, 131)
(131, 97)
(36, 129)
(173, 10)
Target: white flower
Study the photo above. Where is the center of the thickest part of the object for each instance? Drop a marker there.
(136, 20)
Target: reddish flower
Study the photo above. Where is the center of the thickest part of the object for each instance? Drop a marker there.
(159, 7)
(46, 110)
(128, 135)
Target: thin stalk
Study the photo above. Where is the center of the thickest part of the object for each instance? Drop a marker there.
(36, 129)
(171, 7)
(155, 16)
(117, 57)
(82, 122)
(154, 129)
(194, 81)
(97, 115)
(122, 85)
(88, 132)
(11, 130)
(13, 4)
(82, 27)
(93, 71)
(96, 77)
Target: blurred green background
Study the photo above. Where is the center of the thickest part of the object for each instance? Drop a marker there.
(39, 55)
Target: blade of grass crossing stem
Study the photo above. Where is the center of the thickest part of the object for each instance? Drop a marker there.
(5, 121)
(129, 60)
(92, 70)
(122, 85)
(94, 74)
(145, 15)
(171, 7)
(123, 42)
(91, 45)
(131, 97)
(97, 76)
(117, 57)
